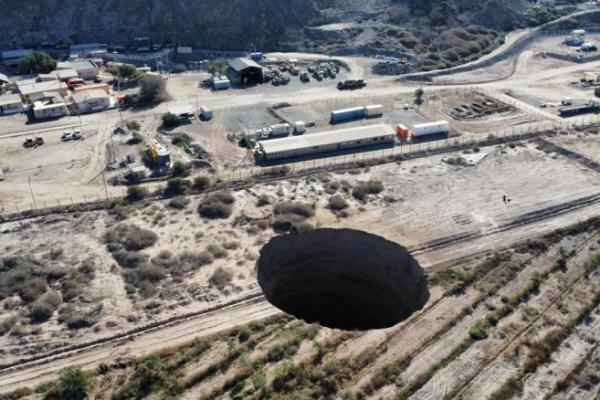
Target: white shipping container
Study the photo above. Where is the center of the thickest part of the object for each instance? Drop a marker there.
(299, 127)
(375, 110)
(280, 130)
(430, 128)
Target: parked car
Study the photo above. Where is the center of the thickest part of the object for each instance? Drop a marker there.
(31, 142)
(66, 136)
(77, 135)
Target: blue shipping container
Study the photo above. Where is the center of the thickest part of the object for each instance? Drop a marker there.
(348, 114)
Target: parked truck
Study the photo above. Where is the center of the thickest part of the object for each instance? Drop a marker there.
(279, 130)
(351, 84)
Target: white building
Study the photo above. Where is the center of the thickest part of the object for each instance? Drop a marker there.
(54, 108)
(326, 142)
(86, 69)
(10, 104)
(61, 75)
(33, 91)
(91, 101)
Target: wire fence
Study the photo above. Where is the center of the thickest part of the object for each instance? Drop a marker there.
(106, 195)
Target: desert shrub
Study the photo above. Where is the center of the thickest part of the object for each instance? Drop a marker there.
(136, 193)
(43, 308)
(30, 291)
(129, 259)
(133, 125)
(201, 183)
(263, 200)
(337, 203)
(220, 278)
(509, 389)
(78, 318)
(363, 189)
(478, 332)
(153, 89)
(300, 209)
(136, 138)
(151, 273)
(179, 203)
(217, 251)
(177, 187)
(72, 385)
(130, 237)
(180, 169)
(189, 261)
(217, 205)
(7, 323)
(181, 139)
(170, 120)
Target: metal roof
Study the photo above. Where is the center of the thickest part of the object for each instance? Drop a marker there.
(240, 64)
(9, 99)
(39, 87)
(326, 138)
(17, 53)
(89, 95)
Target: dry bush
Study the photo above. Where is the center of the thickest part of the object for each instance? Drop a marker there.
(179, 203)
(217, 251)
(363, 189)
(220, 278)
(130, 237)
(337, 203)
(218, 205)
(300, 209)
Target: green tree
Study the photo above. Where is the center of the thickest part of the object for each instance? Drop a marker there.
(170, 120)
(154, 89)
(419, 96)
(36, 63)
(127, 71)
(179, 68)
(72, 385)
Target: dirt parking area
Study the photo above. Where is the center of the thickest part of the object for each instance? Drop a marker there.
(585, 144)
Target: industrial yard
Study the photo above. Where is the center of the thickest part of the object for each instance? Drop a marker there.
(138, 241)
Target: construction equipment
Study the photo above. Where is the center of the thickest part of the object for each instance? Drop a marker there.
(351, 84)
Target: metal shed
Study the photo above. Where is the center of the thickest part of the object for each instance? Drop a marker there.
(245, 70)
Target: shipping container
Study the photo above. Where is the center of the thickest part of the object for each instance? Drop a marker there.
(205, 113)
(402, 132)
(429, 128)
(374, 110)
(279, 130)
(221, 83)
(347, 114)
(299, 127)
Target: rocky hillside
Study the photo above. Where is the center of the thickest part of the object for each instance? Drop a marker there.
(336, 26)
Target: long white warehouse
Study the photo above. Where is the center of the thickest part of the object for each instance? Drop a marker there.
(325, 142)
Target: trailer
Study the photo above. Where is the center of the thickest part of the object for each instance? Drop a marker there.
(347, 114)
(374, 110)
(429, 129)
(590, 106)
(279, 130)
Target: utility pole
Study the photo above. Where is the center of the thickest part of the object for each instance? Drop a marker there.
(104, 179)
(31, 191)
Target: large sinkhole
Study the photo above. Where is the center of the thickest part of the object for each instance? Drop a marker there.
(342, 278)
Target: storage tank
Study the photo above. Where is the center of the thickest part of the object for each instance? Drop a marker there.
(279, 130)
(429, 128)
(347, 114)
(374, 110)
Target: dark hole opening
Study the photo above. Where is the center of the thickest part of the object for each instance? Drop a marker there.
(342, 278)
